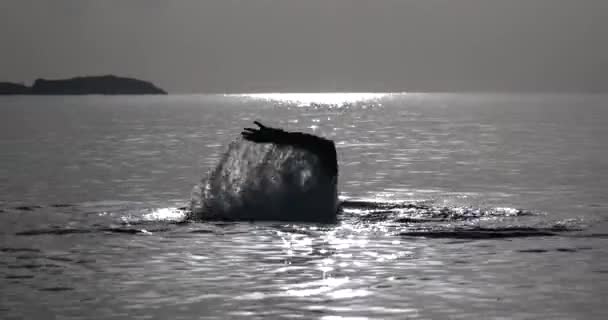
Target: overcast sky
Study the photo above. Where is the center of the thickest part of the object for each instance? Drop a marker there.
(312, 45)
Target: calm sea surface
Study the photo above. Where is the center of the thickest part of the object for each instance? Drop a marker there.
(503, 209)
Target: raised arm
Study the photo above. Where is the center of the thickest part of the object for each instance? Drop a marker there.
(323, 148)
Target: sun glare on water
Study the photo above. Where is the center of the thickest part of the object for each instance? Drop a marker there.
(331, 98)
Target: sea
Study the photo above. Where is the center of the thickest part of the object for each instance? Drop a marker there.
(456, 206)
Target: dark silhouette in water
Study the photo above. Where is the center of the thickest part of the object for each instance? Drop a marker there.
(109, 85)
(271, 174)
(325, 149)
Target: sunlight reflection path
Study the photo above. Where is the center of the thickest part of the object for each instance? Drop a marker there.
(307, 99)
(336, 255)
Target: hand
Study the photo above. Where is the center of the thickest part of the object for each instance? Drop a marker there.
(263, 134)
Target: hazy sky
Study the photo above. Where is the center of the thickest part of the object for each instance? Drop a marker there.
(312, 45)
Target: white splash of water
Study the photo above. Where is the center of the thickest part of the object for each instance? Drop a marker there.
(264, 181)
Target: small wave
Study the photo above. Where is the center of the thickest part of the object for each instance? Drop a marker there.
(18, 250)
(34, 207)
(56, 289)
(425, 220)
(487, 233)
(592, 235)
(70, 231)
(422, 212)
(27, 208)
(62, 205)
(18, 277)
(569, 250)
(53, 231)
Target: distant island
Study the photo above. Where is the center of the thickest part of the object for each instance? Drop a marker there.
(107, 85)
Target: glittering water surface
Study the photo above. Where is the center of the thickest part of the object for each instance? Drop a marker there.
(456, 206)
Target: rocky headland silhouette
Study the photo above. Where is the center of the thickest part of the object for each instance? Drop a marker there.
(105, 85)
